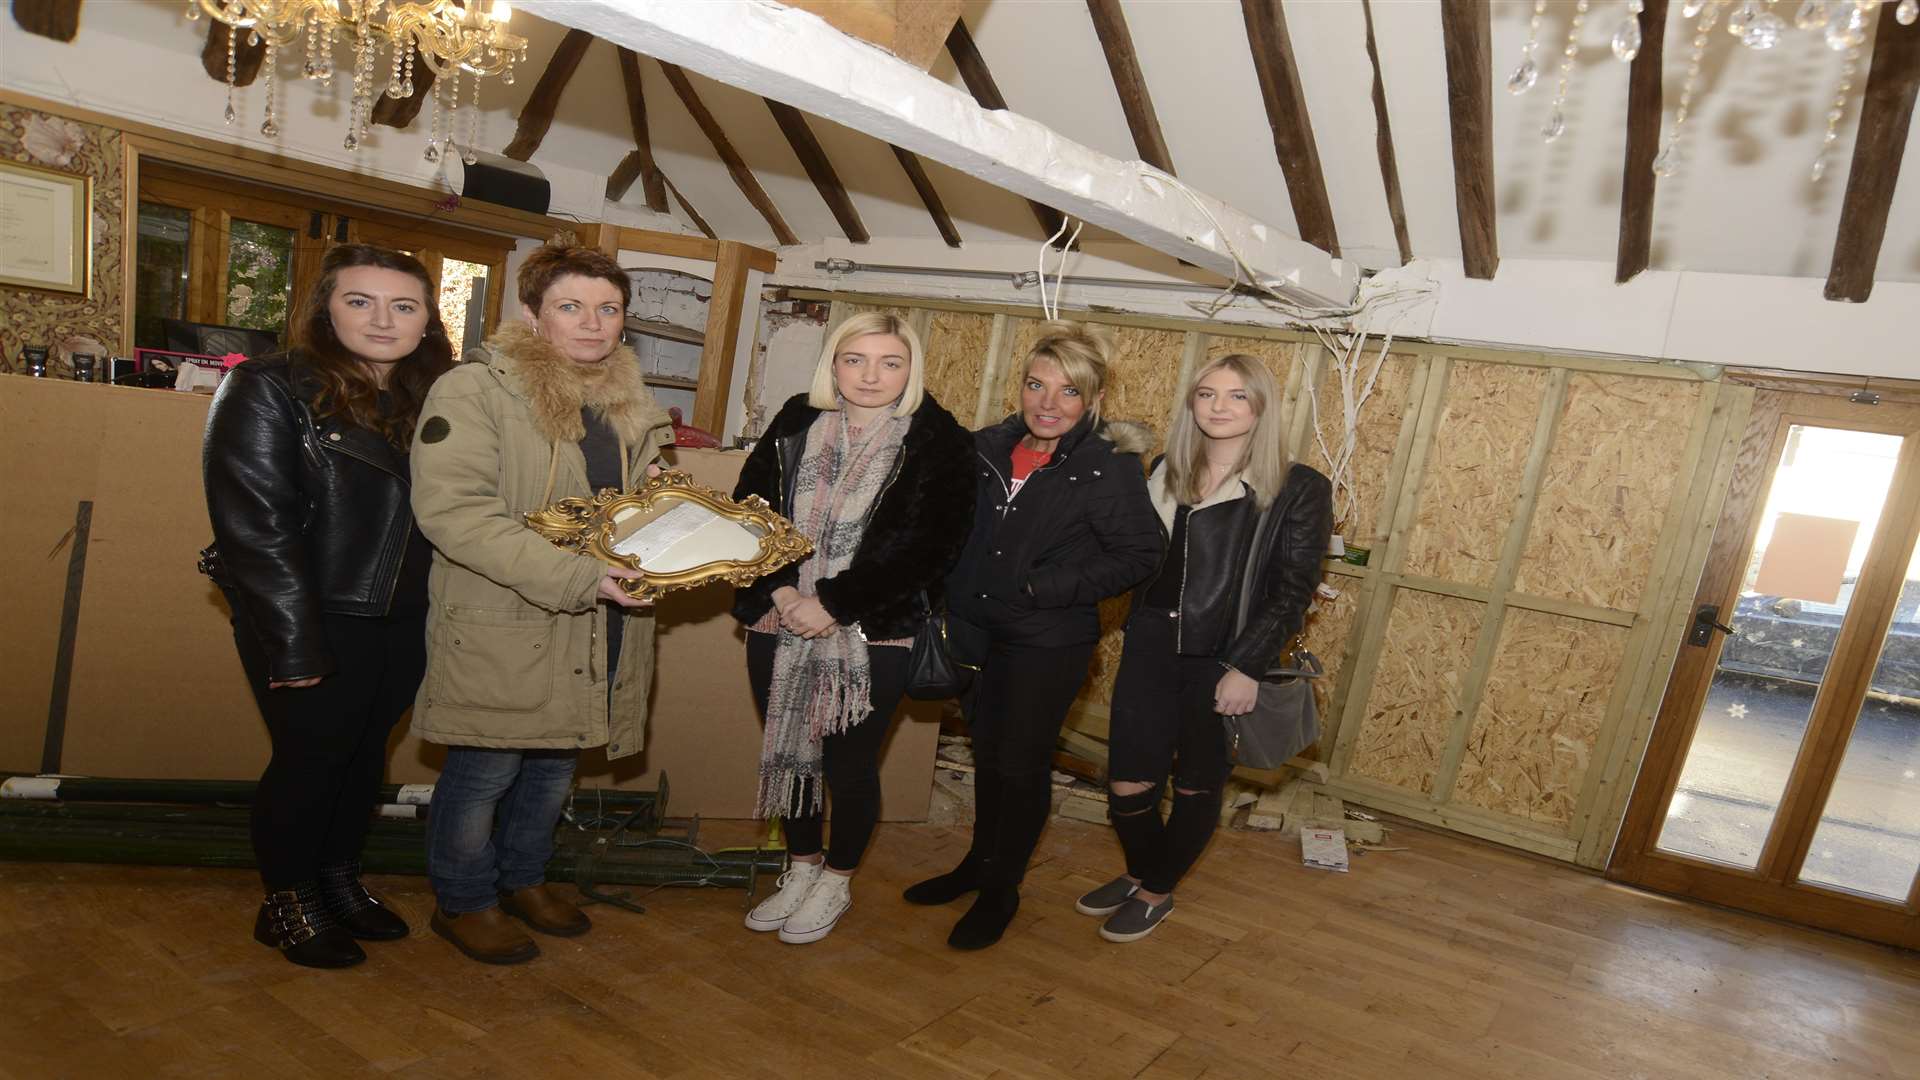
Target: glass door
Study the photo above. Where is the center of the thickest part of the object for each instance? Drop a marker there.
(1781, 773)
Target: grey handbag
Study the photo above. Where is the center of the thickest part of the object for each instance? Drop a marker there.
(1284, 720)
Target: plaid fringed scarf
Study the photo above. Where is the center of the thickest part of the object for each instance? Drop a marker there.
(823, 686)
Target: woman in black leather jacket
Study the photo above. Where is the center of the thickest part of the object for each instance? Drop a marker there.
(879, 476)
(1061, 522)
(1184, 666)
(305, 464)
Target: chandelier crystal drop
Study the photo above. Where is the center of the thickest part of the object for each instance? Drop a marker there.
(442, 34)
(1528, 73)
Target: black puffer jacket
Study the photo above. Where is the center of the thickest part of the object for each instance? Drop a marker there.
(911, 539)
(1081, 529)
(1220, 532)
(309, 516)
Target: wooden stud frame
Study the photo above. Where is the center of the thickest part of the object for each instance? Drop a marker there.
(1652, 627)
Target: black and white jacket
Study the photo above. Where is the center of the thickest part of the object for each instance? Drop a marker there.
(911, 540)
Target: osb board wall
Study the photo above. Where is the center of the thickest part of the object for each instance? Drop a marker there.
(1360, 522)
(1466, 497)
(1601, 506)
(31, 317)
(956, 348)
(1416, 690)
(1533, 736)
(1329, 624)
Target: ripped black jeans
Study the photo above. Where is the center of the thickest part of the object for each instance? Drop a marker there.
(1163, 725)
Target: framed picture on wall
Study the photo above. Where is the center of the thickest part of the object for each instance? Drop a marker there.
(46, 239)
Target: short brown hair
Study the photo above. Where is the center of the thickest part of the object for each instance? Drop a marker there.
(555, 261)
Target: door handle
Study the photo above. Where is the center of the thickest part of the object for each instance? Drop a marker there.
(1705, 622)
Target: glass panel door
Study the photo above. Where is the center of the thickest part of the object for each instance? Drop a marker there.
(161, 272)
(1795, 593)
(1867, 840)
(259, 275)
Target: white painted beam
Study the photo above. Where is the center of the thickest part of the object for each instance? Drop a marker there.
(795, 57)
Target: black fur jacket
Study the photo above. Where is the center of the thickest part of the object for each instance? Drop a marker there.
(911, 541)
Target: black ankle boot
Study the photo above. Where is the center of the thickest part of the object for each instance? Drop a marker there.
(296, 921)
(363, 914)
(949, 886)
(987, 919)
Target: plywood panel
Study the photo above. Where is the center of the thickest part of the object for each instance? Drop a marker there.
(1022, 333)
(1416, 689)
(1546, 697)
(1376, 435)
(1474, 471)
(1603, 499)
(1105, 666)
(957, 359)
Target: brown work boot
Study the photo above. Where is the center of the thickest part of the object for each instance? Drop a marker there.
(487, 936)
(541, 908)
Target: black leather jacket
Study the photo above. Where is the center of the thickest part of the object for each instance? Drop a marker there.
(308, 516)
(1218, 539)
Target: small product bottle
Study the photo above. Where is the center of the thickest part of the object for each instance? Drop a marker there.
(84, 366)
(33, 360)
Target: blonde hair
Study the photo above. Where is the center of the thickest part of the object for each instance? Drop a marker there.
(1081, 351)
(824, 394)
(1263, 460)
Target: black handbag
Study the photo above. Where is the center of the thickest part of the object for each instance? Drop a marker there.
(946, 653)
(1285, 720)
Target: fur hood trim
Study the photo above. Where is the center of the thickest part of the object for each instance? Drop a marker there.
(555, 393)
(1127, 437)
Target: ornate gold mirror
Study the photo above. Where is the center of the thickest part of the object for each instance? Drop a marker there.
(674, 533)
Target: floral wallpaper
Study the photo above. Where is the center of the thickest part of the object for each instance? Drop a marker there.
(30, 317)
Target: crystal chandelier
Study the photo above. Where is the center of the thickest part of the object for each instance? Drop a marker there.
(455, 42)
(1845, 25)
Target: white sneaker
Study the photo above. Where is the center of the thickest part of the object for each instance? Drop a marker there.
(792, 887)
(829, 899)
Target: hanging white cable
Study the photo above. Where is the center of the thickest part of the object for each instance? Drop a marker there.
(1049, 311)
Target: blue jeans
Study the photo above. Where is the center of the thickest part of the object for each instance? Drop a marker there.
(490, 825)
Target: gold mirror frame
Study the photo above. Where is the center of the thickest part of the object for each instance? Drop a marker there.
(588, 526)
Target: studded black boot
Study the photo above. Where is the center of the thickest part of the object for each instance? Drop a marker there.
(296, 921)
(364, 915)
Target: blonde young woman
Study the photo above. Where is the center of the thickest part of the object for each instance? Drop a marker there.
(1061, 522)
(1184, 666)
(879, 476)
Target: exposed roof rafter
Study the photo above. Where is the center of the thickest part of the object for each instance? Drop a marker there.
(1383, 144)
(56, 19)
(1292, 127)
(1124, 65)
(1465, 30)
(537, 116)
(246, 57)
(973, 71)
(639, 163)
(1644, 109)
(1886, 112)
(399, 112)
(929, 196)
(813, 158)
(736, 165)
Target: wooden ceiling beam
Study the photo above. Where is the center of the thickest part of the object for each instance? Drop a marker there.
(246, 58)
(1383, 144)
(1644, 111)
(973, 71)
(1110, 23)
(813, 158)
(1466, 34)
(639, 163)
(736, 165)
(1292, 127)
(56, 19)
(1886, 112)
(698, 221)
(537, 116)
(399, 112)
(929, 196)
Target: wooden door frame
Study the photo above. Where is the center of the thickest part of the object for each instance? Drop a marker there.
(1772, 887)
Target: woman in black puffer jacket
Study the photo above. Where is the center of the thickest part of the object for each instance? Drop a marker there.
(1061, 521)
(879, 477)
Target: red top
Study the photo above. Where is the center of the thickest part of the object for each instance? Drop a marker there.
(1025, 461)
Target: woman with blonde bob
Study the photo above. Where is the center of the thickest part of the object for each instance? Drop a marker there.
(1061, 522)
(1185, 664)
(872, 470)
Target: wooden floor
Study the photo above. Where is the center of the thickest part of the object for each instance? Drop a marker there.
(1451, 959)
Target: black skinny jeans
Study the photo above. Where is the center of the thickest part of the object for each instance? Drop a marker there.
(316, 797)
(1163, 723)
(1014, 711)
(850, 759)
